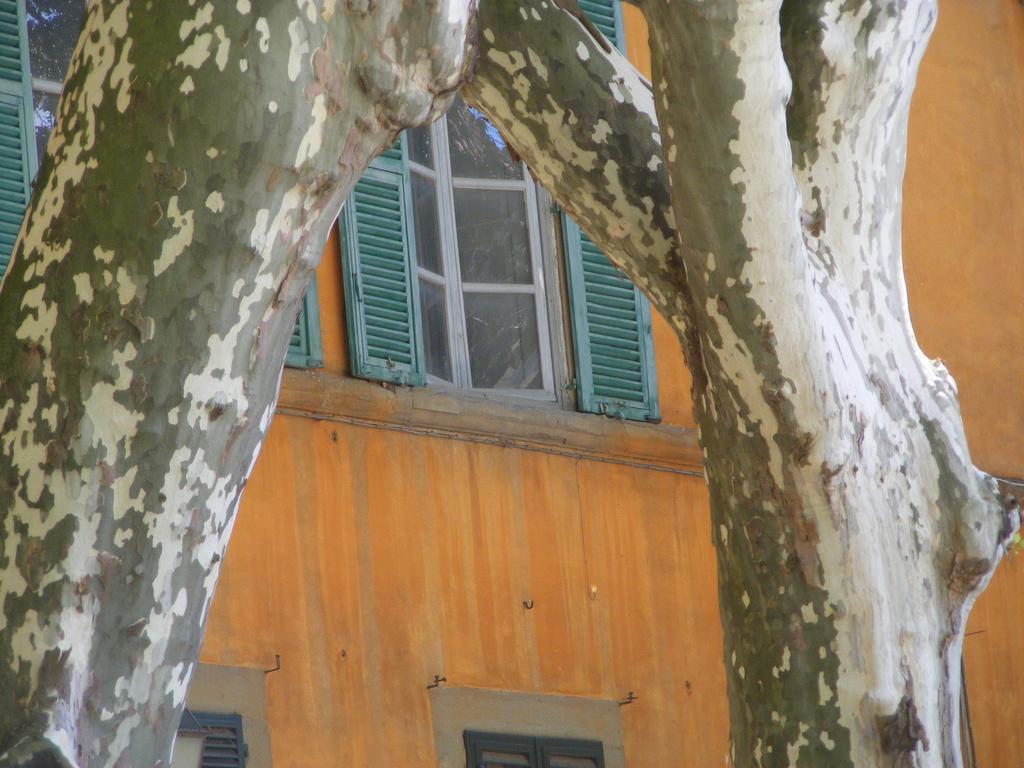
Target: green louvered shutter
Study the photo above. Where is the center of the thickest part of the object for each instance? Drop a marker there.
(223, 743)
(304, 350)
(17, 139)
(611, 323)
(606, 16)
(611, 319)
(379, 260)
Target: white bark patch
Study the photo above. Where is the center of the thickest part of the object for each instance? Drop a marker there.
(197, 53)
(263, 28)
(537, 63)
(223, 48)
(299, 37)
(793, 750)
(203, 17)
(83, 287)
(38, 329)
(121, 77)
(215, 201)
(583, 52)
(601, 131)
(824, 692)
(310, 7)
(311, 142)
(175, 245)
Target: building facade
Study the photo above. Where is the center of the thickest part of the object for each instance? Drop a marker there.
(478, 530)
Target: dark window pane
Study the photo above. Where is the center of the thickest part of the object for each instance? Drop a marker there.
(53, 27)
(428, 238)
(478, 150)
(435, 330)
(494, 243)
(559, 761)
(504, 350)
(44, 113)
(502, 759)
(420, 144)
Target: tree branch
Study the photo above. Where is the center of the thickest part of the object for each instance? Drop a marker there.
(583, 120)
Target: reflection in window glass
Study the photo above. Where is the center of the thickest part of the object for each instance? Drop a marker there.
(478, 150)
(420, 144)
(53, 27)
(480, 267)
(500, 759)
(44, 113)
(428, 237)
(435, 330)
(504, 349)
(494, 241)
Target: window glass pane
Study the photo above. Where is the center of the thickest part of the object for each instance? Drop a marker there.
(435, 330)
(44, 113)
(557, 761)
(494, 243)
(424, 211)
(53, 27)
(496, 759)
(420, 143)
(504, 351)
(477, 149)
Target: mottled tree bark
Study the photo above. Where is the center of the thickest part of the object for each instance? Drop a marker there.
(853, 532)
(201, 155)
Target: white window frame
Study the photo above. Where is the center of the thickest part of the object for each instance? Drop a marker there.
(543, 269)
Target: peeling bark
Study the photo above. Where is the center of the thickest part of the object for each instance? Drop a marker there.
(201, 155)
(140, 349)
(853, 532)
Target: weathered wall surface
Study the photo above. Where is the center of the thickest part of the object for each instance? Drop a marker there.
(964, 232)
(372, 559)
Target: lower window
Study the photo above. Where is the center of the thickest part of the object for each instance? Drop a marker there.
(209, 740)
(500, 750)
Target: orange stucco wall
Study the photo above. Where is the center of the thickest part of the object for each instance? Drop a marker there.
(372, 559)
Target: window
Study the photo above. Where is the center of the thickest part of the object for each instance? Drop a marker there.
(480, 271)
(53, 27)
(448, 282)
(221, 746)
(39, 38)
(496, 750)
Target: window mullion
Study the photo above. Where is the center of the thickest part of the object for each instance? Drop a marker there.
(459, 343)
(47, 86)
(537, 263)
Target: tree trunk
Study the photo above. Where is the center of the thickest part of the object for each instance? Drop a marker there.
(853, 533)
(201, 155)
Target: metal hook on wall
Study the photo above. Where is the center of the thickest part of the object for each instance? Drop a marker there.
(630, 698)
(528, 605)
(277, 664)
(438, 679)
